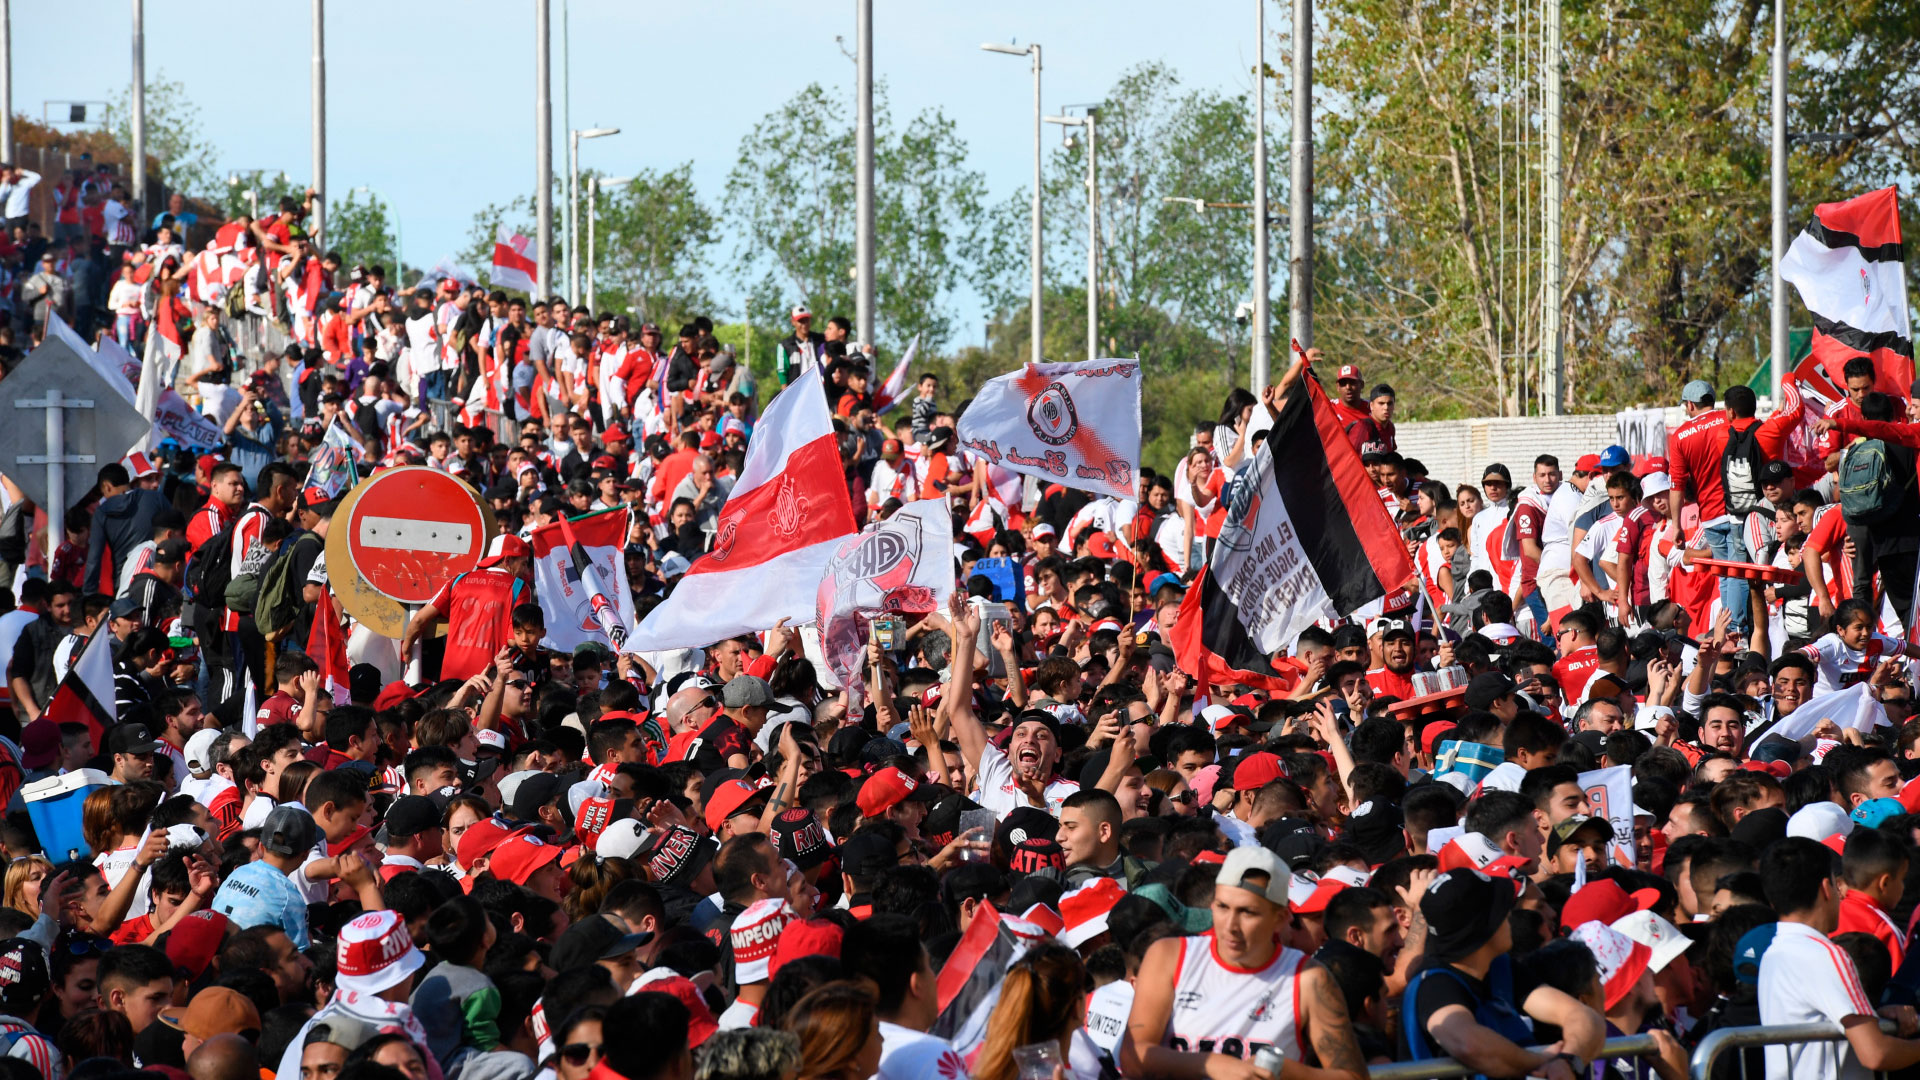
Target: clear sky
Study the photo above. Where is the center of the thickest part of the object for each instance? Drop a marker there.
(431, 104)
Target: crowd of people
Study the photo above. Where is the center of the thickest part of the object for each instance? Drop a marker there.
(1035, 848)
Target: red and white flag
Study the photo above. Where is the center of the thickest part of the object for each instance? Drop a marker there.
(167, 327)
(513, 267)
(903, 565)
(327, 645)
(580, 577)
(896, 383)
(1851, 273)
(1075, 424)
(85, 695)
(779, 528)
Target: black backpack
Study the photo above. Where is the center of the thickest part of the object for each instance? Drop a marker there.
(1740, 470)
(209, 569)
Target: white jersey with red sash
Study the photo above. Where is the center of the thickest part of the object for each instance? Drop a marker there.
(1222, 1009)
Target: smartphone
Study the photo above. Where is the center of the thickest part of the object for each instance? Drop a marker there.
(886, 632)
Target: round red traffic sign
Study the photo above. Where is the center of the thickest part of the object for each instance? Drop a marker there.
(411, 530)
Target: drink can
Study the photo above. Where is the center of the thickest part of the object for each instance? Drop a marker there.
(1269, 1059)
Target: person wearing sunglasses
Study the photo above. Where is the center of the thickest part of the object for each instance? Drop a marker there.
(579, 1042)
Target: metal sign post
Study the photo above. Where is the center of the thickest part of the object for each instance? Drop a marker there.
(56, 405)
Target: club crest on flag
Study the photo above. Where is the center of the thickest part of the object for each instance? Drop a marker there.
(903, 565)
(789, 508)
(1051, 416)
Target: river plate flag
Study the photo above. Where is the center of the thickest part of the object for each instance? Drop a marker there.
(1850, 269)
(85, 695)
(1303, 541)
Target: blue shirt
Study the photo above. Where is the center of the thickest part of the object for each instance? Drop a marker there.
(259, 894)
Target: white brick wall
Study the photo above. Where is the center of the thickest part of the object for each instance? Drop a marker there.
(1455, 451)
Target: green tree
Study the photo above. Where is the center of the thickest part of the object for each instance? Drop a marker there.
(361, 230)
(790, 203)
(173, 136)
(652, 239)
(268, 189)
(1423, 213)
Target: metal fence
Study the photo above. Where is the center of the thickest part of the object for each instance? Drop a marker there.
(445, 413)
(1699, 1068)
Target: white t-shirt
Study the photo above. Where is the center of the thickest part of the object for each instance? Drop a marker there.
(997, 792)
(1597, 545)
(1834, 659)
(906, 1054)
(1556, 533)
(1107, 1012)
(114, 866)
(256, 812)
(1807, 979)
(1481, 527)
(740, 1014)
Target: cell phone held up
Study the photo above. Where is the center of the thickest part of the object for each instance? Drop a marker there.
(887, 631)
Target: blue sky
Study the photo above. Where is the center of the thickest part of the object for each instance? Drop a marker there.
(431, 104)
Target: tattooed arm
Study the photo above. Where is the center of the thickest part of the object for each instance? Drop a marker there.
(787, 788)
(1329, 1031)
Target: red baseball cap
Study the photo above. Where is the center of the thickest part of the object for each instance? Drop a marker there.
(1431, 736)
(1650, 466)
(1256, 771)
(505, 546)
(195, 939)
(803, 938)
(702, 1025)
(1605, 901)
(1588, 463)
(392, 694)
(1100, 546)
(884, 790)
(518, 857)
(1349, 373)
(727, 799)
(480, 840)
(1316, 903)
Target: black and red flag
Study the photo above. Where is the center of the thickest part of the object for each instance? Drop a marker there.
(1850, 269)
(1303, 541)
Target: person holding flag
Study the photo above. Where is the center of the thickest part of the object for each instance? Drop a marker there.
(477, 608)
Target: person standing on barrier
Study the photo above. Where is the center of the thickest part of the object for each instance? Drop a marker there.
(1807, 979)
(1463, 1002)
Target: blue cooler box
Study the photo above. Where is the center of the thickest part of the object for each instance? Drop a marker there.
(55, 805)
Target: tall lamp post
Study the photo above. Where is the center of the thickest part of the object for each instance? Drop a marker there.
(1036, 255)
(543, 149)
(573, 204)
(594, 184)
(1093, 222)
(863, 312)
(1262, 316)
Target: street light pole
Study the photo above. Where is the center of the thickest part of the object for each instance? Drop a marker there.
(542, 151)
(319, 92)
(1780, 358)
(1262, 314)
(1300, 255)
(1093, 225)
(863, 176)
(138, 110)
(1036, 256)
(594, 184)
(6, 80)
(573, 206)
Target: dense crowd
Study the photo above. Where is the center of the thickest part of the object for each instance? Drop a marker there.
(1034, 847)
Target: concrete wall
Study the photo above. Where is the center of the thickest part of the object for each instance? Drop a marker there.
(1456, 451)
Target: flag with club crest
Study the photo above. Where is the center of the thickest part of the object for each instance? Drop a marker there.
(903, 565)
(1076, 424)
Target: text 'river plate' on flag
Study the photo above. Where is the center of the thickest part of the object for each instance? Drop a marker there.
(1074, 424)
(1305, 539)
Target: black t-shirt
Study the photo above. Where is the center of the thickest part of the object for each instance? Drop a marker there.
(719, 740)
(1441, 989)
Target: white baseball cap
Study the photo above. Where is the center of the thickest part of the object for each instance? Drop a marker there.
(199, 752)
(510, 783)
(622, 839)
(1655, 484)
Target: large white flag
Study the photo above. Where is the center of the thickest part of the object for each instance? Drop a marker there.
(1850, 269)
(1075, 424)
(780, 526)
(1853, 707)
(902, 565)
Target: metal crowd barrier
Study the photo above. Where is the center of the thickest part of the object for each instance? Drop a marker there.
(505, 429)
(1700, 1067)
(1440, 1068)
(1740, 1038)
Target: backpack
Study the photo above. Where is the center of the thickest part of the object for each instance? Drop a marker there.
(1740, 470)
(280, 599)
(209, 569)
(1865, 483)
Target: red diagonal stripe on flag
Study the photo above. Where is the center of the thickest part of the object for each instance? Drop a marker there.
(1033, 384)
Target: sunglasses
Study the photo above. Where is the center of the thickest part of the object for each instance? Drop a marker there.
(88, 945)
(580, 1053)
(520, 684)
(1185, 798)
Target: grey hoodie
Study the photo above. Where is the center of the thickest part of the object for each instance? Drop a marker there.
(121, 523)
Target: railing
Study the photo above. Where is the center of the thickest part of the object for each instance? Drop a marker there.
(1700, 1067)
(1440, 1068)
(444, 413)
(1711, 1047)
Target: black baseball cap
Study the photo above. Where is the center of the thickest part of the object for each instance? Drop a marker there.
(865, 854)
(533, 793)
(1487, 688)
(1775, 472)
(1023, 824)
(1377, 828)
(411, 815)
(1464, 909)
(130, 739)
(593, 939)
(24, 978)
